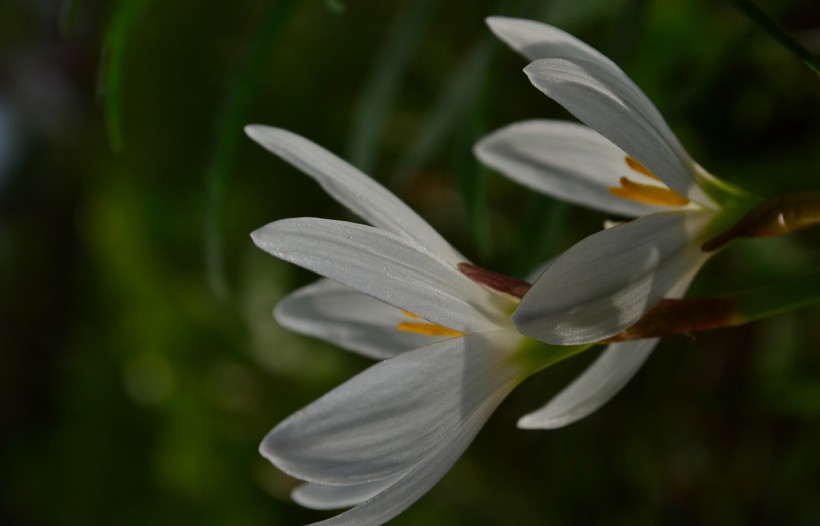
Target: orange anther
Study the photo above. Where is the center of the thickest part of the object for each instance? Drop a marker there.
(645, 193)
(641, 169)
(428, 329)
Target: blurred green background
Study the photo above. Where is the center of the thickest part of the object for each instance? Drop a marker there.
(139, 362)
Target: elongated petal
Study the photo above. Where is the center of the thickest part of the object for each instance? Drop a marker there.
(350, 319)
(599, 383)
(562, 159)
(606, 282)
(536, 40)
(323, 497)
(416, 482)
(609, 102)
(398, 413)
(380, 264)
(352, 188)
(602, 380)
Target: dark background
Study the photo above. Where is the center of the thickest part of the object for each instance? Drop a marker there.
(140, 365)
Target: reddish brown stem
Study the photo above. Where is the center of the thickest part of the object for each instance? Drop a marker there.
(494, 280)
(776, 217)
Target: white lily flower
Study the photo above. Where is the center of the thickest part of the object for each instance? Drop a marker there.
(627, 162)
(397, 290)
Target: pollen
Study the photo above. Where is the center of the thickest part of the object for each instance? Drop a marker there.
(645, 193)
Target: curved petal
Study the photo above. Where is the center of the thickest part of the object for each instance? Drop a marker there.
(598, 384)
(347, 318)
(536, 40)
(601, 381)
(352, 188)
(413, 485)
(607, 281)
(380, 264)
(609, 102)
(323, 497)
(398, 413)
(562, 159)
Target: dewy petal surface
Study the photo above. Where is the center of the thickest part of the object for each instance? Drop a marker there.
(348, 318)
(607, 281)
(562, 159)
(380, 264)
(398, 413)
(607, 101)
(352, 188)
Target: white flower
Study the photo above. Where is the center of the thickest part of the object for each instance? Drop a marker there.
(398, 291)
(627, 162)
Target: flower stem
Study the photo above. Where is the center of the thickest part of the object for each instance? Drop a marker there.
(775, 217)
(687, 316)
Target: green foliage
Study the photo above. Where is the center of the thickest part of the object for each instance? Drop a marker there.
(759, 17)
(131, 393)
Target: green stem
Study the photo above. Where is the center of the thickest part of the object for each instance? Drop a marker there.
(776, 32)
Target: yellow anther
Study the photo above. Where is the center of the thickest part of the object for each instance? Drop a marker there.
(641, 169)
(645, 193)
(410, 314)
(428, 329)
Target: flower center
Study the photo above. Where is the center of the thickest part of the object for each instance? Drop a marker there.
(426, 328)
(646, 193)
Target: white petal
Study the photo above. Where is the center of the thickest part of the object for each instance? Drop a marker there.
(398, 413)
(380, 264)
(605, 99)
(347, 318)
(323, 497)
(352, 188)
(414, 484)
(598, 92)
(606, 282)
(600, 382)
(536, 40)
(561, 159)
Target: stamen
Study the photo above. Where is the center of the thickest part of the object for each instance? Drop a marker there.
(645, 193)
(428, 329)
(641, 169)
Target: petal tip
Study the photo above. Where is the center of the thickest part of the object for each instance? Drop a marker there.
(532, 422)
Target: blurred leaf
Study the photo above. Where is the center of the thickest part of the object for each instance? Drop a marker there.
(544, 220)
(68, 15)
(460, 93)
(336, 6)
(234, 116)
(763, 20)
(698, 86)
(383, 83)
(625, 34)
(771, 300)
(471, 179)
(122, 25)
